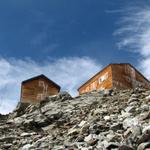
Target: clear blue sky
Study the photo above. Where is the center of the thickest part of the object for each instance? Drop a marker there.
(56, 28)
(69, 41)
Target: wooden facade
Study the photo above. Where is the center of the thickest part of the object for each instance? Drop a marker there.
(37, 88)
(119, 76)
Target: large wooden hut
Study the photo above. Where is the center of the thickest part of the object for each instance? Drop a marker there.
(119, 76)
(37, 88)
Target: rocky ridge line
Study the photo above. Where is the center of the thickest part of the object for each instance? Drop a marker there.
(104, 120)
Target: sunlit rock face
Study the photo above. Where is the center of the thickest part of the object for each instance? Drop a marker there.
(116, 119)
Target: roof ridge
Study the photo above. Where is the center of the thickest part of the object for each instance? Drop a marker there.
(41, 75)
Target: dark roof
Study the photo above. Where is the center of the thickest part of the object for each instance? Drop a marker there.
(41, 76)
(107, 67)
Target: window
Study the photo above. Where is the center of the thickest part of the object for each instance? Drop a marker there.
(103, 78)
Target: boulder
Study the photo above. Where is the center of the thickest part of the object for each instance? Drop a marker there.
(144, 146)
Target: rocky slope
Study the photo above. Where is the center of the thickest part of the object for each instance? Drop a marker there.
(105, 120)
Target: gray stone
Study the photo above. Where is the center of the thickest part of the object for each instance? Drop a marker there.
(130, 122)
(116, 126)
(20, 109)
(125, 147)
(8, 139)
(95, 129)
(27, 134)
(136, 130)
(6, 146)
(147, 97)
(27, 147)
(73, 131)
(130, 109)
(144, 116)
(117, 120)
(62, 96)
(146, 129)
(133, 99)
(144, 146)
(145, 107)
(112, 145)
(145, 137)
(41, 120)
(18, 120)
(91, 139)
(107, 118)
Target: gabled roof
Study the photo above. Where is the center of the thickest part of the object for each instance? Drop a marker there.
(41, 76)
(107, 67)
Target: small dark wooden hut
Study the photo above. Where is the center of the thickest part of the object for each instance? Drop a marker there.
(37, 88)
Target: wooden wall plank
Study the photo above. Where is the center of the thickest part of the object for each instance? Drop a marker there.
(36, 90)
(96, 84)
(120, 76)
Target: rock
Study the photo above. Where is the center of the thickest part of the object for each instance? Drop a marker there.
(134, 103)
(124, 115)
(107, 118)
(62, 96)
(51, 115)
(20, 109)
(145, 107)
(29, 123)
(127, 132)
(6, 146)
(110, 136)
(125, 147)
(80, 138)
(146, 129)
(145, 137)
(144, 146)
(27, 134)
(41, 120)
(147, 97)
(43, 143)
(85, 128)
(91, 139)
(73, 131)
(117, 119)
(112, 145)
(82, 123)
(95, 129)
(144, 116)
(136, 130)
(130, 109)
(58, 148)
(130, 122)
(8, 139)
(18, 120)
(99, 111)
(133, 99)
(116, 127)
(106, 92)
(27, 147)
